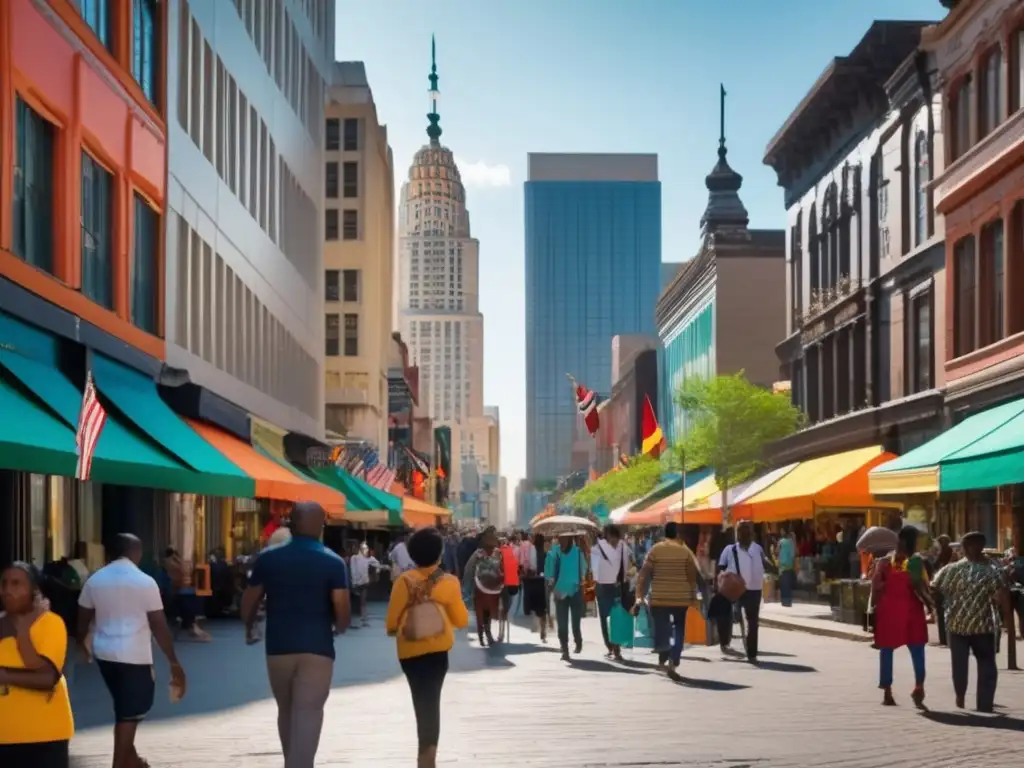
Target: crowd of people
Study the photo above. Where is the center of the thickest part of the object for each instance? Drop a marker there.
(299, 597)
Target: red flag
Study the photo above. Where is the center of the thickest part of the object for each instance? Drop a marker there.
(653, 438)
(586, 404)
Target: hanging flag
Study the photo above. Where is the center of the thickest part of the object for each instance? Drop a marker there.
(90, 424)
(653, 438)
(586, 404)
(420, 465)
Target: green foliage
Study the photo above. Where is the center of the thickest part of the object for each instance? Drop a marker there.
(730, 423)
(621, 486)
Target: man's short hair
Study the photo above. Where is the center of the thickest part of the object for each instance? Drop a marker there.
(671, 530)
(612, 530)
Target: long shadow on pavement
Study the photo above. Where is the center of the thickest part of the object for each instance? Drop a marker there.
(709, 685)
(773, 666)
(226, 673)
(594, 665)
(996, 722)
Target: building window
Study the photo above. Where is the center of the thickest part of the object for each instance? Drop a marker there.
(351, 284)
(350, 225)
(331, 336)
(331, 178)
(351, 335)
(333, 133)
(145, 258)
(922, 230)
(920, 348)
(960, 117)
(331, 285)
(990, 94)
(97, 248)
(351, 134)
(96, 14)
(883, 219)
(145, 45)
(992, 268)
(351, 171)
(963, 308)
(33, 188)
(331, 224)
(1016, 70)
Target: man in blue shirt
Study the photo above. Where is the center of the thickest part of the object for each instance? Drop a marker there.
(565, 570)
(306, 587)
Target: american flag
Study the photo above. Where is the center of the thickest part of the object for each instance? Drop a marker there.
(363, 461)
(90, 424)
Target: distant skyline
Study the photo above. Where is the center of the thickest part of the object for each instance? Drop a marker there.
(597, 76)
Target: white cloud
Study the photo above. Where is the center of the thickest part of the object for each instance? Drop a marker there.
(481, 174)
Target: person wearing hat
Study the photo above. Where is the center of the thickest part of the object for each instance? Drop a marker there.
(969, 588)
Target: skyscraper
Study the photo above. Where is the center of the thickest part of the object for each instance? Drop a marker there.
(593, 271)
(438, 303)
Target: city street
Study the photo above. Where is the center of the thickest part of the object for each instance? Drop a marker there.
(812, 702)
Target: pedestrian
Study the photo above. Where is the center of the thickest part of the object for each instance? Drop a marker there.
(306, 587)
(971, 589)
(400, 560)
(610, 564)
(787, 569)
(36, 724)
(425, 610)
(672, 574)
(899, 592)
(464, 551)
(482, 583)
(510, 571)
(746, 559)
(535, 592)
(180, 601)
(568, 570)
(943, 557)
(362, 567)
(128, 612)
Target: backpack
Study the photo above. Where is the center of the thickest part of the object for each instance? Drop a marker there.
(424, 618)
(488, 573)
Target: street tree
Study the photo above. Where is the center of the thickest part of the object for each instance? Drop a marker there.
(729, 421)
(620, 486)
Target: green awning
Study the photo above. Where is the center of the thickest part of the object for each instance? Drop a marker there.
(360, 496)
(135, 397)
(31, 438)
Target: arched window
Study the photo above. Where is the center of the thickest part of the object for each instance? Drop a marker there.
(812, 241)
(921, 228)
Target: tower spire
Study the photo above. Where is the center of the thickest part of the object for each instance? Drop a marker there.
(725, 210)
(434, 129)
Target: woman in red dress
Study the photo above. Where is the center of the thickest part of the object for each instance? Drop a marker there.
(899, 594)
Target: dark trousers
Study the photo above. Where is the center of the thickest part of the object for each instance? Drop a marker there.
(607, 596)
(47, 754)
(984, 649)
(426, 675)
(787, 580)
(669, 631)
(566, 608)
(750, 604)
(940, 619)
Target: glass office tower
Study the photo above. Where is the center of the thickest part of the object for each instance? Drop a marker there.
(593, 271)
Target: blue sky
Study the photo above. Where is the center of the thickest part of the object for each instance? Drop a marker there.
(597, 76)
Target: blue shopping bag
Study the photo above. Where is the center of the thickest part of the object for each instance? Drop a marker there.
(620, 627)
(644, 632)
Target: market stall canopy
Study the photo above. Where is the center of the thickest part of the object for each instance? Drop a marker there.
(837, 480)
(417, 513)
(273, 481)
(653, 509)
(695, 494)
(361, 497)
(709, 511)
(983, 451)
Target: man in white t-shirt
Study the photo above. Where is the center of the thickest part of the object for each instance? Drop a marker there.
(128, 612)
(609, 562)
(746, 558)
(400, 560)
(359, 567)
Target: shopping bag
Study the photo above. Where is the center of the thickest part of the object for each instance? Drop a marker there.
(644, 631)
(620, 627)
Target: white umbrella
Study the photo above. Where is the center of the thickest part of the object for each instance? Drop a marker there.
(556, 524)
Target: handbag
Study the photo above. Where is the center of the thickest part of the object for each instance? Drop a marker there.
(731, 585)
(424, 618)
(620, 627)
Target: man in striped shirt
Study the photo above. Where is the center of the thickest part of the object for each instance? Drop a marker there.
(672, 572)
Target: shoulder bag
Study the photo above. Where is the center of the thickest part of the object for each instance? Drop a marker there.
(731, 585)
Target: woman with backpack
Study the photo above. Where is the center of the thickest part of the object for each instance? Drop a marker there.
(483, 581)
(425, 610)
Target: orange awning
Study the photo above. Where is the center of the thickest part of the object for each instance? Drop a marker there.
(702, 516)
(421, 514)
(656, 514)
(273, 481)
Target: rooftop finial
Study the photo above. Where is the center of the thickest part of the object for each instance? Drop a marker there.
(721, 120)
(725, 210)
(434, 129)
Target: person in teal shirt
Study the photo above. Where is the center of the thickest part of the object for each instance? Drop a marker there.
(565, 570)
(787, 569)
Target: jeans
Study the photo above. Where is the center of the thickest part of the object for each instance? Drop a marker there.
(564, 608)
(425, 675)
(669, 631)
(607, 596)
(787, 580)
(301, 683)
(885, 656)
(750, 604)
(984, 649)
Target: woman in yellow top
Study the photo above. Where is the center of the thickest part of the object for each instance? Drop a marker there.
(425, 661)
(35, 711)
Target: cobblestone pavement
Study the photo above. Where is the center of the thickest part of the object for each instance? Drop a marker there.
(813, 702)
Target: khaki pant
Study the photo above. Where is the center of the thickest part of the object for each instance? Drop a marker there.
(300, 683)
